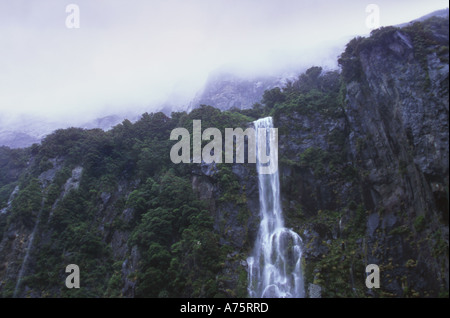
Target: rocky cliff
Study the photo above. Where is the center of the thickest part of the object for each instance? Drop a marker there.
(377, 166)
(226, 91)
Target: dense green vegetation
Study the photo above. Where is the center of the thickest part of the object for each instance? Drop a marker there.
(342, 268)
(12, 162)
(173, 230)
(313, 91)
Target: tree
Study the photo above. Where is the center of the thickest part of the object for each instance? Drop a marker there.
(272, 97)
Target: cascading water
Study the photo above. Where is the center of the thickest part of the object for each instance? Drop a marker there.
(274, 269)
(24, 266)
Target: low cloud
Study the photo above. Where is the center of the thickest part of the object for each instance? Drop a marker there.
(136, 55)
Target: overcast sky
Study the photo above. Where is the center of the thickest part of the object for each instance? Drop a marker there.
(137, 54)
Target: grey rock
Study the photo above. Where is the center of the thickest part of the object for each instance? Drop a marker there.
(225, 91)
(372, 223)
(105, 197)
(73, 182)
(314, 291)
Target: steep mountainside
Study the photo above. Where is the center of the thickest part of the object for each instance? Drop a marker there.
(371, 178)
(222, 90)
(363, 156)
(226, 91)
(26, 130)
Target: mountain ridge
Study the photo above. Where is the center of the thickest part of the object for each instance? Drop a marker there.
(222, 90)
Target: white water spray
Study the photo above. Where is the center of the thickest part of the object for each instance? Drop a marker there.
(274, 269)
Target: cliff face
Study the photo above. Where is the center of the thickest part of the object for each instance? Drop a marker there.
(364, 180)
(226, 91)
(401, 113)
(391, 179)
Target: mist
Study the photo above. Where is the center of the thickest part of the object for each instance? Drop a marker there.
(134, 56)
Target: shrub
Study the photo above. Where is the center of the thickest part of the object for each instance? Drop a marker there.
(419, 223)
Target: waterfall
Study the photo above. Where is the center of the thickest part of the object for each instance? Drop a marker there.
(274, 268)
(24, 266)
